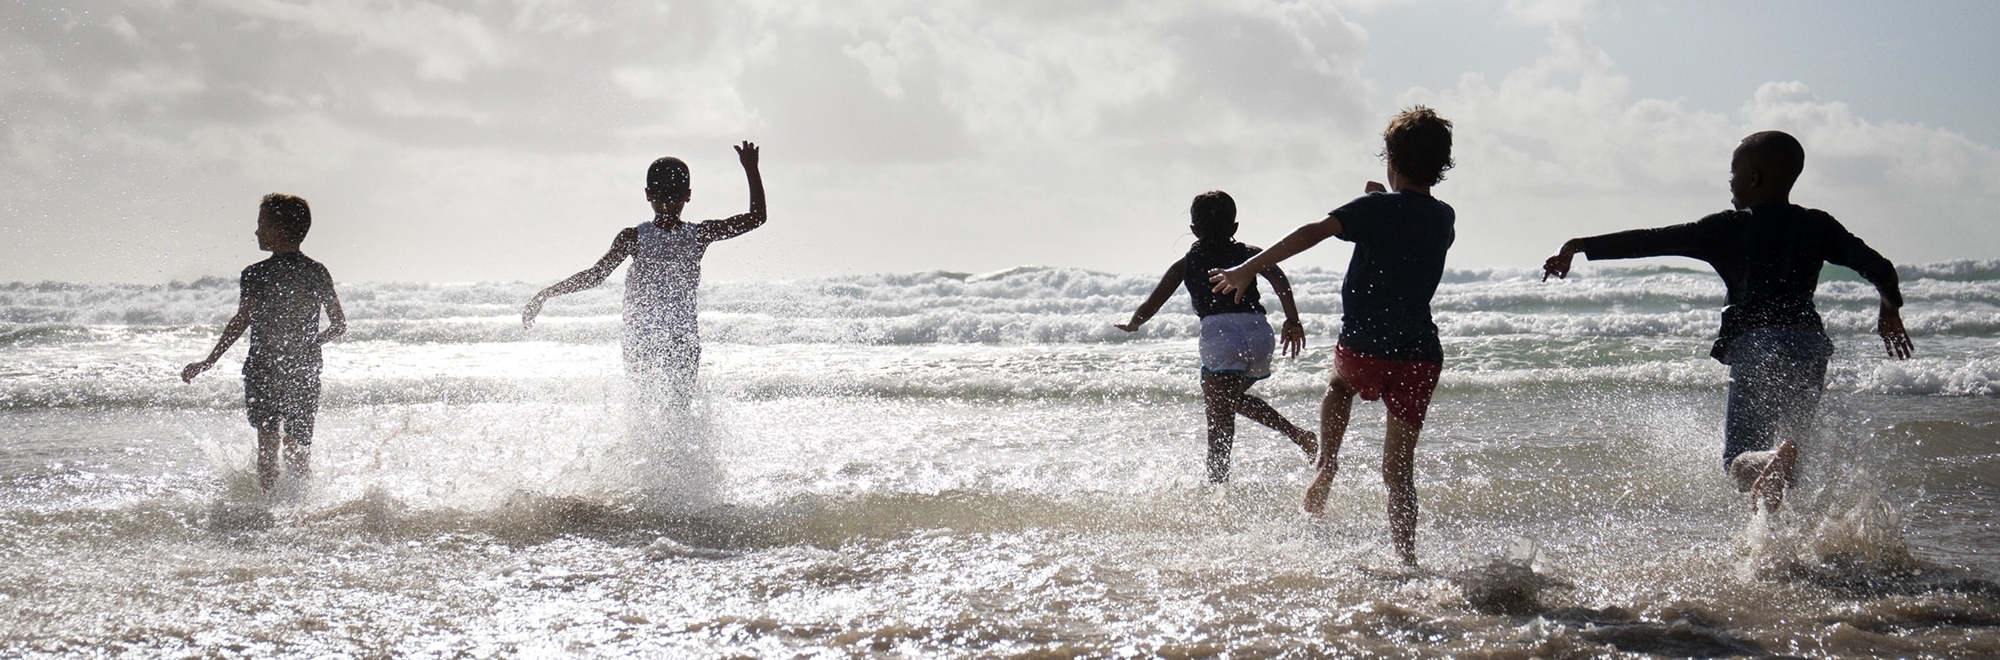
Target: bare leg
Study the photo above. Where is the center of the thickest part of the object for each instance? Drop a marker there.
(268, 439)
(1399, 451)
(1334, 409)
(1261, 412)
(1769, 490)
(1218, 404)
(1235, 389)
(298, 449)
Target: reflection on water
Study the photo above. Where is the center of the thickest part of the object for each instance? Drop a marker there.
(944, 466)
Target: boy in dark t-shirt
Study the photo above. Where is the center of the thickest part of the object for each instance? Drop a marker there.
(1768, 252)
(1388, 346)
(280, 305)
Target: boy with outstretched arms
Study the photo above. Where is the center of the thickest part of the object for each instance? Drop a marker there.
(662, 338)
(280, 305)
(1388, 347)
(1236, 343)
(1768, 252)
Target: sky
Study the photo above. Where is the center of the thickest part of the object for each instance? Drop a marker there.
(507, 140)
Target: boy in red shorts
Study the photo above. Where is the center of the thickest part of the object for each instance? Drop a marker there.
(1388, 346)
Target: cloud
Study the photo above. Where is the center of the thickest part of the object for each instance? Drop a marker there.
(445, 43)
(161, 113)
(499, 139)
(1559, 148)
(1547, 12)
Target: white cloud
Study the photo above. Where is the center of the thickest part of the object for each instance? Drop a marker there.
(1560, 149)
(446, 43)
(1547, 12)
(485, 140)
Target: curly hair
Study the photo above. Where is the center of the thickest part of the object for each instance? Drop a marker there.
(1418, 144)
(289, 213)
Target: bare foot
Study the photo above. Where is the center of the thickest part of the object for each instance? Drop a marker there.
(1321, 486)
(1310, 443)
(1769, 490)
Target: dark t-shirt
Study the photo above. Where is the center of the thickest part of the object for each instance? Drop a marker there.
(1769, 257)
(290, 289)
(1201, 259)
(1400, 240)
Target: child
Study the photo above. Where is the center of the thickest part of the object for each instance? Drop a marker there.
(280, 304)
(662, 340)
(1235, 338)
(1768, 252)
(1388, 346)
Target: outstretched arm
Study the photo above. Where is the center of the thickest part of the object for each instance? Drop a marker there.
(237, 324)
(1161, 293)
(1239, 278)
(739, 225)
(623, 246)
(1292, 338)
(1559, 265)
(1693, 240)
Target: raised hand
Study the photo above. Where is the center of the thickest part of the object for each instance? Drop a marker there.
(747, 153)
(1374, 187)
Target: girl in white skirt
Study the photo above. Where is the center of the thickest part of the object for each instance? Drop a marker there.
(1236, 342)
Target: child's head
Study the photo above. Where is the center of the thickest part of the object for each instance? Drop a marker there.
(1213, 216)
(282, 221)
(1764, 168)
(1417, 145)
(668, 181)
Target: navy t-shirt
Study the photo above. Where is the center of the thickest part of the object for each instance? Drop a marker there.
(1769, 257)
(290, 289)
(1203, 258)
(1400, 240)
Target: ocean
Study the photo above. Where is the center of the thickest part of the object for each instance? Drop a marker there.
(938, 464)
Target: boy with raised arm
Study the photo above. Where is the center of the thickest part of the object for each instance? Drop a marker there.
(280, 305)
(662, 338)
(1768, 252)
(1388, 347)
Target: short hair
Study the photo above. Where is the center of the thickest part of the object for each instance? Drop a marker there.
(669, 177)
(1418, 144)
(1213, 215)
(289, 213)
(1775, 154)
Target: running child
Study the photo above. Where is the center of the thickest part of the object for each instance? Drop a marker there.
(280, 303)
(1235, 339)
(1768, 252)
(662, 334)
(1388, 347)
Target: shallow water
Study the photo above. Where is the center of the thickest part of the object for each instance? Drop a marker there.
(964, 466)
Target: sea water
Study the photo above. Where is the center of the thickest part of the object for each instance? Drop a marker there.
(953, 465)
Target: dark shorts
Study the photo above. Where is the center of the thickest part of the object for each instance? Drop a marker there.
(664, 364)
(277, 397)
(1775, 380)
(1405, 386)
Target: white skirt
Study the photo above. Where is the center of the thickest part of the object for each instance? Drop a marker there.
(1239, 344)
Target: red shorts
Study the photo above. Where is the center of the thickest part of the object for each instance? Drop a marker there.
(1403, 385)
